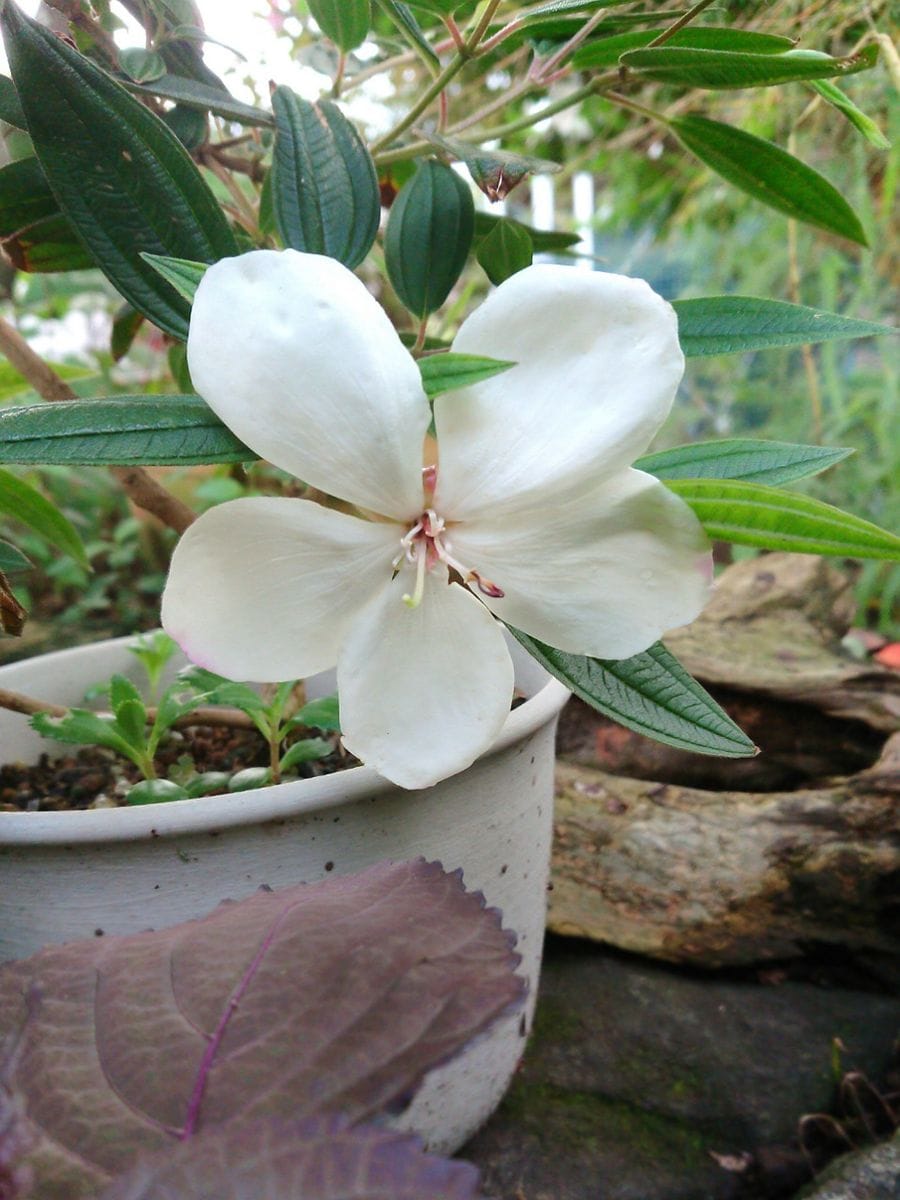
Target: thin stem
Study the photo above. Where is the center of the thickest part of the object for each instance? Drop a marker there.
(679, 24)
(546, 69)
(339, 75)
(483, 25)
(140, 486)
(420, 338)
(231, 718)
(275, 759)
(624, 102)
(456, 33)
(430, 94)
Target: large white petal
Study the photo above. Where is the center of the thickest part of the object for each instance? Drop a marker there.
(605, 574)
(598, 365)
(264, 588)
(423, 691)
(300, 361)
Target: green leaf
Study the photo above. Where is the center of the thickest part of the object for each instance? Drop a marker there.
(606, 52)
(126, 324)
(48, 246)
(155, 791)
(12, 384)
(22, 502)
(323, 713)
(190, 125)
(557, 7)
(690, 67)
(755, 515)
(651, 693)
(505, 250)
(80, 727)
(142, 65)
(428, 235)
(731, 324)
(494, 172)
(542, 240)
(195, 94)
(306, 750)
(346, 22)
(446, 372)
(12, 559)
(325, 196)
(440, 8)
(145, 193)
(866, 126)
(183, 274)
(129, 711)
(25, 196)
(769, 174)
(742, 458)
(10, 105)
(151, 430)
(250, 777)
(216, 689)
(403, 18)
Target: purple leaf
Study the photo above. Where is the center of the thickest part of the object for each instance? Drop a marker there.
(322, 1158)
(335, 997)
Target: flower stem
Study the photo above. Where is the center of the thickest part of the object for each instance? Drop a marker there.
(424, 102)
(679, 24)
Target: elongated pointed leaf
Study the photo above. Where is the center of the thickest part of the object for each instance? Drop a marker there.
(150, 430)
(25, 196)
(769, 174)
(742, 458)
(24, 503)
(193, 93)
(183, 274)
(731, 324)
(120, 175)
(47, 246)
(505, 250)
(377, 977)
(12, 559)
(832, 93)
(10, 105)
(402, 16)
(428, 236)
(651, 693)
(325, 196)
(605, 52)
(693, 67)
(346, 22)
(755, 515)
(556, 7)
(543, 240)
(446, 372)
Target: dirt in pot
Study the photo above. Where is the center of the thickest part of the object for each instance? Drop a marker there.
(92, 777)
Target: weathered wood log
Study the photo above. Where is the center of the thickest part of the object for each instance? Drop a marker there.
(726, 878)
(722, 862)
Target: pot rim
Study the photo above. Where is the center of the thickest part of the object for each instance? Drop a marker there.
(297, 797)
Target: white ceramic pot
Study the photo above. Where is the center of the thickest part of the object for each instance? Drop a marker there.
(80, 874)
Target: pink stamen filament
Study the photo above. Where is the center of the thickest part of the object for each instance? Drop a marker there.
(424, 545)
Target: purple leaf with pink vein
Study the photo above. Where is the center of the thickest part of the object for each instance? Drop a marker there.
(335, 997)
(322, 1158)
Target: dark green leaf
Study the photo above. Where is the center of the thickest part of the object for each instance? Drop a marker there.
(140, 65)
(689, 67)
(325, 194)
(10, 105)
(440, 8)
(152, 430)
(606, 52)
(25, 196)
(303, 751)
(755, 515)
(742, 458)
(22, 502)
(126, 324)
(190, 125)
(346, 22)
(203, 96)
(447, 372)
(769, 174)
(505, 250)
(731, 324)
(428, 236)
(181, 273)
(12, 559)
(866, 126)
(543, 240)
(145, 193)
(323, 713)
(403, 18)
(48, 246)
(651, 693)
(555, 7)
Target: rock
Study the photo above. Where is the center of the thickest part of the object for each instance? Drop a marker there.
(724, 878)
(643, 1083)
(871, 1174)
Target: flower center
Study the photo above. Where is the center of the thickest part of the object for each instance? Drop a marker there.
(424, 545)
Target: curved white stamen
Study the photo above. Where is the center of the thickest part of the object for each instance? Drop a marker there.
(423, 545)
(420, 555)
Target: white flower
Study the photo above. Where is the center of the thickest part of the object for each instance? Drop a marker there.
(533, 515)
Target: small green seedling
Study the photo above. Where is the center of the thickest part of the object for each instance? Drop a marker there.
(274, 720)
